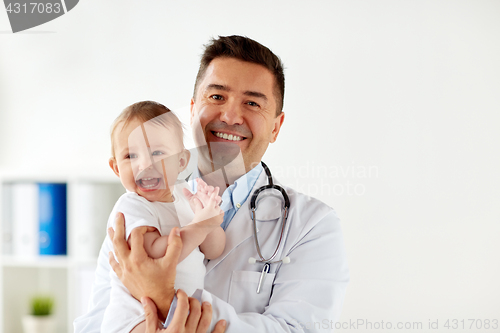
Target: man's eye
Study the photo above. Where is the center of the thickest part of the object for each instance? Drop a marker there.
(217, 97)
(252, 104)
(131, 156)
(157, 152)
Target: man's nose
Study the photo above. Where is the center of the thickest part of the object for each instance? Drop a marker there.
(232, 113)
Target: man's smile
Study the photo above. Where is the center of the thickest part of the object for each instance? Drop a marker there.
(229, 137)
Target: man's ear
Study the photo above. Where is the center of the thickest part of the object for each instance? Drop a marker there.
(114, 166)
(191, 111)
(278, 121)
(184, 157)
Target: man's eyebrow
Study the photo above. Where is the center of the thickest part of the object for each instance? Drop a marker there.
(255, 94)
(226, 88)
(218, 87)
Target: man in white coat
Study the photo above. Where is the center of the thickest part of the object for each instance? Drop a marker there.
(236, 112)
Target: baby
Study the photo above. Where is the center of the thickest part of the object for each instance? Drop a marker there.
(148, 154)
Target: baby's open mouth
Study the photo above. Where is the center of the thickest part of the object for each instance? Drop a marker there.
(148, 183)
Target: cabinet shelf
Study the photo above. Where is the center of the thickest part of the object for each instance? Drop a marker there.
(67, 277)
(40, 261)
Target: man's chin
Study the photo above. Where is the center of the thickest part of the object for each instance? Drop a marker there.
(221, 153)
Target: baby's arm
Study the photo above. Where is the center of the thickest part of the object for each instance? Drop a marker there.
(205, 225)
(214, 243)
(156, 245)
(140, 328)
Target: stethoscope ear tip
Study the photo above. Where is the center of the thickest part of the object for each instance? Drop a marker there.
(252, 260)
(286, 260)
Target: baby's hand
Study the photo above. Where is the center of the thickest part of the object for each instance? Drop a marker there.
(211, 215)
(202, 194)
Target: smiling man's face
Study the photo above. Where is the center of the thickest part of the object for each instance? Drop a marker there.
(235, 110)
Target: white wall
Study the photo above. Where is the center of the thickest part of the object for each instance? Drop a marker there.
(397, 100)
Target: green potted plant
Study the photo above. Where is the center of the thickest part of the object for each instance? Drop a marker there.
(40, 319)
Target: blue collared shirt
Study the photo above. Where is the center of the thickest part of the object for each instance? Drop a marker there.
(236, 194)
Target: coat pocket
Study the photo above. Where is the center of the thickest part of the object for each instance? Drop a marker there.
(243, 291)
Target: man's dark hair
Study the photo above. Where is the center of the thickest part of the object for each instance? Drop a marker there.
(245, 49)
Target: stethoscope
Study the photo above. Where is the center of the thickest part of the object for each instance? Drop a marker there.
(253, 208)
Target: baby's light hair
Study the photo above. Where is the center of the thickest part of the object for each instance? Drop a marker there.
(148, 111)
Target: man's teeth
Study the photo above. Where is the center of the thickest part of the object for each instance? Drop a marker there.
(228, 136)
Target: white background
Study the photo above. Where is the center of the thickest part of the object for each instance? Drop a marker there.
(392, 118)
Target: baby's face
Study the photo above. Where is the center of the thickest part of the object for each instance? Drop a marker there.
(148, 159)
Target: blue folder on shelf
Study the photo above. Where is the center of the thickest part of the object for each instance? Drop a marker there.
(53, 216)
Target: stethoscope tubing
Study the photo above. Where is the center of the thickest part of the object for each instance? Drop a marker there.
(284, 217)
